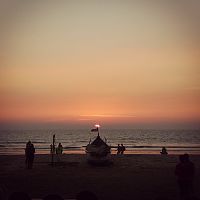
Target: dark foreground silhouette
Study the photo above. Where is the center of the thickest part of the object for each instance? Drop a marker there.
(126, 171)
(29, 153)
(185, 176)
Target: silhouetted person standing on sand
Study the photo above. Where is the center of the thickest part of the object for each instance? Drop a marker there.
(118, 149)
(59, 149)
(122, 149)
(185, 173)
(29, 152)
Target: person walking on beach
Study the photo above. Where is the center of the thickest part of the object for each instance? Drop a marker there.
(185, 175)
(122, 149)
(29, 153)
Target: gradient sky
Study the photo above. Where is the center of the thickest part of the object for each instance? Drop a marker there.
(131, 63)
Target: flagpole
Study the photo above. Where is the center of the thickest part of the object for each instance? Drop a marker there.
(52, 155)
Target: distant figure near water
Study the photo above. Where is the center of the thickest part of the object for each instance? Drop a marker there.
(29, 153)
(59, 149)
(185, 176)
(164, 151)
(120, 149)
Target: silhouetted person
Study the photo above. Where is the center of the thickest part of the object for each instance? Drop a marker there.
(86, 195)
(19, 196)
(122, 149)
(53, 197)
(185, 176)
(118, 149)
(29, 153)
(59, 149)
(164, 151)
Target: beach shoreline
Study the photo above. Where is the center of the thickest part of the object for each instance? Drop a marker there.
(131, 176)
(113, 152)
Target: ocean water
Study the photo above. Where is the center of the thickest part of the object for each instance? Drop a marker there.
(74, 141)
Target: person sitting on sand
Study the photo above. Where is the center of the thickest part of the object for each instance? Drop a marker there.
(122, 149)
(185, 176)
(29, 153)
(164, 151)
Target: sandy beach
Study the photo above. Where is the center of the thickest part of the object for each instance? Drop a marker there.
(130, 176)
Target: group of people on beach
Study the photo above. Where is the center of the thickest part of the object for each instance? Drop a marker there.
(184, 170)
(120, 149)
(57, 150)
(30, 153)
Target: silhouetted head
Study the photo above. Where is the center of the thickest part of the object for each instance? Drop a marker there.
(19, 195)
(86, 195)
(53, 197)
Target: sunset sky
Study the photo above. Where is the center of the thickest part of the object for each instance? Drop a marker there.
(76, 63)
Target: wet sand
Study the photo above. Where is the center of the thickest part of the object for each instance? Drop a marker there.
(130, 177)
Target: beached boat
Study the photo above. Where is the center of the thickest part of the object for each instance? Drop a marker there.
(98, 152)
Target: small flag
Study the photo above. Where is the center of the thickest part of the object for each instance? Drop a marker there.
(94, 129)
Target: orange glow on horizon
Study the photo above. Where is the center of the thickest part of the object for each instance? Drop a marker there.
(117, 63)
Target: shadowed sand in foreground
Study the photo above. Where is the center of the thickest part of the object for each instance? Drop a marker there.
(130, 177)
